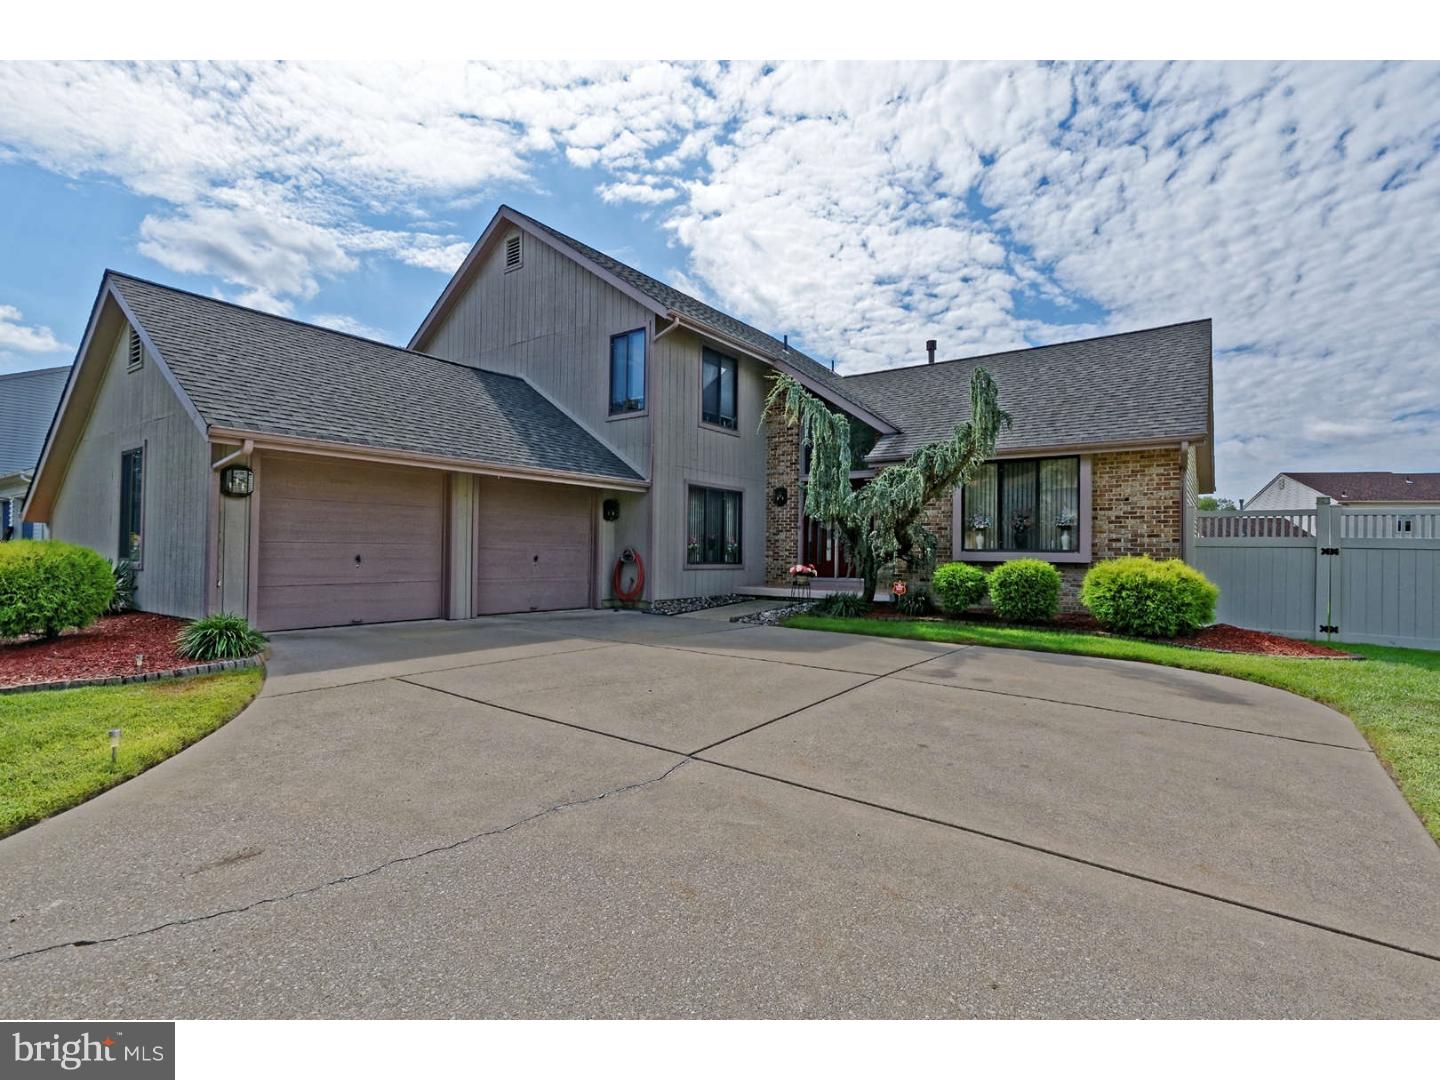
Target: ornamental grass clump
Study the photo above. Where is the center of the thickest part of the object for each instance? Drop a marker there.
(958, 586)
(1025, 591)
(842, 606)
(219, 637)
(47, 586)
(1141, 597)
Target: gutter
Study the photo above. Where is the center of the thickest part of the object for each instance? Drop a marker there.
(321, 448)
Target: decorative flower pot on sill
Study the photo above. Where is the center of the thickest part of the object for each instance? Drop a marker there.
(1065, 536)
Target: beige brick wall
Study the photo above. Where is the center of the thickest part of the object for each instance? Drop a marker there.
(782, 469)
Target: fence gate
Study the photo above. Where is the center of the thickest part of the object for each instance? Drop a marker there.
(1363, 575)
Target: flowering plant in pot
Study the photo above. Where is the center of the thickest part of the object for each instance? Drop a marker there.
(1020, 523)
(1064, 524)
(977, 524)
(803, 570)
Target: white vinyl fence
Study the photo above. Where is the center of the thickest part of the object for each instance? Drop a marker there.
(1333, 572)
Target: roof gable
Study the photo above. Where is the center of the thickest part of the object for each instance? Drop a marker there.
(666, 302)
(28, 400)
(1374, 486)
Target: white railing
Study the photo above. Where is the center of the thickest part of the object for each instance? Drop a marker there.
(1377, 524)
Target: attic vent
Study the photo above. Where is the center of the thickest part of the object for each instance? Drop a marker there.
(512, 252)
(137, 353)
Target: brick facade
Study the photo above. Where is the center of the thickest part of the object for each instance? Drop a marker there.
(782, 528)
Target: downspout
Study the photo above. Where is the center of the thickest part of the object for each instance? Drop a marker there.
(667, 329)
(1186, 525)
(246, 449)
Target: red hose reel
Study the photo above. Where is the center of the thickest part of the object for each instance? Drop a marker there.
(637, 587)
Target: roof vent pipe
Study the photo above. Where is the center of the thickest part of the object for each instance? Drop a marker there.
(930, 349)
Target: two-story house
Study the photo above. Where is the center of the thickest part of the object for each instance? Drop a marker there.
(556, 409)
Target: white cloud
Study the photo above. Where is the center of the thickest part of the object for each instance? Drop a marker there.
(861, 208)
(16, 335)
(347, 324)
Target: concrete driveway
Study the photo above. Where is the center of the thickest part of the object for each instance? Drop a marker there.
(607, 814)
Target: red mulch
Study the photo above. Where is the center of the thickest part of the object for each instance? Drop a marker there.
(1221, 637)
(107, 647)
(1225, 638)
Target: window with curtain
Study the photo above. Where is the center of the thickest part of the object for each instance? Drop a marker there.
(1023, 506)
(627, 372)
(132, 504)
(719, 386)
(713, 527)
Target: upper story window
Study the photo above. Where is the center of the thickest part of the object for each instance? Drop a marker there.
(136, 357)
(627, 372)
(719, 389)
(132, 505)
(1023, 506)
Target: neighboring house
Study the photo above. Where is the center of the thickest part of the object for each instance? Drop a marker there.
(555, 408)
(27, 405)
(1299, 490)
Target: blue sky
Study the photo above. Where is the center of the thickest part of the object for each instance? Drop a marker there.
(860, 208)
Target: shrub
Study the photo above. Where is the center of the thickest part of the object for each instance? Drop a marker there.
(842, 605)
(1025, 590)
(958, 586)
(124, 598)
(47, 586)
(219, 637)
(914, 601)
(1145, 598)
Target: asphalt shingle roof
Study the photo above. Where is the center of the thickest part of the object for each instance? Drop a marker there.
(252, 371)
(27, 405)
(703, 313)
(1373, 486)
(1134, 387)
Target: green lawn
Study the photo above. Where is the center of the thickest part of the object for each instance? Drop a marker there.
(54, 751)
(1393, 696)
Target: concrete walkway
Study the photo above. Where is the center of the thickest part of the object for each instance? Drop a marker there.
(613, 814)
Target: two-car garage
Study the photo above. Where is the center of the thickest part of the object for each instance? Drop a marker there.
(341, 541)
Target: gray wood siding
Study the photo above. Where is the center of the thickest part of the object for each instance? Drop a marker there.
(551, 322)
(687, 453)
(138, 408)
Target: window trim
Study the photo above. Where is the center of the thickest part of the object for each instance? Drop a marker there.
(628, 414)
(143, 448)
(739, 493)
(710, 425)
(1085, 521)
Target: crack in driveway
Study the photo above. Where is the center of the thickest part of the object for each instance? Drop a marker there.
(346, 878)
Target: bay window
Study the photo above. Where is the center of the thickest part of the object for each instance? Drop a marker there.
(1029, 505)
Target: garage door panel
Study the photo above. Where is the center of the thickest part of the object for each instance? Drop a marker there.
(292, 607)
(289, 563)
(534, 547)
(317, 515)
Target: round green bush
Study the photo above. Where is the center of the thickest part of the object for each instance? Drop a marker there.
(47, 586)
(1141, 597)
(958, 586)
(219, 637)
(1025, 590)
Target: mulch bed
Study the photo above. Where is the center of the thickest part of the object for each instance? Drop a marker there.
(1221, 637)
(129, 644)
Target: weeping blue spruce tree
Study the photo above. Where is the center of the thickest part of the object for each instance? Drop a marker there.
(880, 521)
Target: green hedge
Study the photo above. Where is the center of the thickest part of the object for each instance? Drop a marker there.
(958, 586)
(47, 586)
(1141, 597)
(1025, 590)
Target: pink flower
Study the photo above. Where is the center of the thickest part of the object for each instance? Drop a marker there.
(805, 569)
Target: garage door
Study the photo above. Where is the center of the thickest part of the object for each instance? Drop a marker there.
(347, 542)
(534, 547)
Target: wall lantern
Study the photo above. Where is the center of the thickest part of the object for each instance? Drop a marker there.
(780, 496)
(237, 480)
(610, 509)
